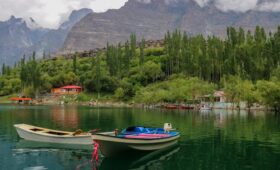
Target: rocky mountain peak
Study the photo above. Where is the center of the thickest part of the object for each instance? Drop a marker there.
(20, 36)
(32, 24)
(74, 17)
(151, 19)
(13, 20)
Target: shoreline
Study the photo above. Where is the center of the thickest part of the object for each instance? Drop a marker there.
(113, 103)
(121, 104)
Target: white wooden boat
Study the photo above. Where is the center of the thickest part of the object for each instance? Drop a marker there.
(40, 134)
(111, 144)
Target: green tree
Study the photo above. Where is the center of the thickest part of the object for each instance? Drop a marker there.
(75, 63)
(98, 74)
(142, 52)
(133, 42)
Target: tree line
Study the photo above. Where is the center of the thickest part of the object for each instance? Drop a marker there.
(128, 70)
(250, 55)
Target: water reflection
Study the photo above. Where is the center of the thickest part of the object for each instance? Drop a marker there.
(25, 144)
(140, 160)
(66, 116)
(214, 140)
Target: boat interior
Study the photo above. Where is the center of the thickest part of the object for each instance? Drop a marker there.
(140, 129)
(36, 129)
(48, 131)
(139, 132)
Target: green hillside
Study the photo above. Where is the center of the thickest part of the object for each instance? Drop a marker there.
(246, 65)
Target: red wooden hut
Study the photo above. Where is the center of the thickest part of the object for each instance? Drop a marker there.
(70, 89)
(23, 100)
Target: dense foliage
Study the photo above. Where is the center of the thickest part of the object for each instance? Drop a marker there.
(245, 65)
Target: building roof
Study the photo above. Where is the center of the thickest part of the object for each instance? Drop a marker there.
(71, 87)
(20, 98)
(219, 94)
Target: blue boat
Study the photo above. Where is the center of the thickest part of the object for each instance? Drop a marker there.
(135, 138)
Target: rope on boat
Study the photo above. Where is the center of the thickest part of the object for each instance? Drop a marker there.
(93, 131)
(95, 157)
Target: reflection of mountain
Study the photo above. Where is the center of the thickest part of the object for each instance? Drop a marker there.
(139, 160)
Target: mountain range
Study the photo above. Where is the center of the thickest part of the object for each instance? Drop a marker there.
(16, 36)
(20, 37)
(149, 19)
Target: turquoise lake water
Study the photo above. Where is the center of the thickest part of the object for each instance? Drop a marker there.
(209, 140)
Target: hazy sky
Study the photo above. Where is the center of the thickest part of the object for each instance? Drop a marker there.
(50, 13)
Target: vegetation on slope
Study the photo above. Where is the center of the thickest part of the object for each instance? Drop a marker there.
(245, 65)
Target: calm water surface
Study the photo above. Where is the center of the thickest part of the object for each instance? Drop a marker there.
(209, 140)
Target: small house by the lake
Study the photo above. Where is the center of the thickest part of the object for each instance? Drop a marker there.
(218, 96)
(70, 89)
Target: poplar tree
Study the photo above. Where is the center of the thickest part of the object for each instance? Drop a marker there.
(142, 53)
(127, 56)
(75, 63)
(98, 74)
(132, 45)
(3, 69)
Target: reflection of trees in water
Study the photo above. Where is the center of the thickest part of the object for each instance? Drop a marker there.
(192, 125)
(218, 152)
(66, 117)
(66, 156)
(49, 158)
(12, 114)
(218, 139)
(140, 160)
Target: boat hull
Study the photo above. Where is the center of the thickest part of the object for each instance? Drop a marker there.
(187, 107)
(111, 145)
(42, 137)
(28, 144)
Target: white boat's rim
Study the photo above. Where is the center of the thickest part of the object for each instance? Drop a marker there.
(50, 132)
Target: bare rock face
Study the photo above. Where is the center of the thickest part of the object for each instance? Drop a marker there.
(15, 36)
(95, 30)
(20, 37)
(151, 19)
(53, 41)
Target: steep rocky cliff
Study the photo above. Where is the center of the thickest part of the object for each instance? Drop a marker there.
(152, 18)
(16, 35)
(53, 41)
(20, 37)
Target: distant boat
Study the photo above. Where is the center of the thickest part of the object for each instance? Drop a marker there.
(135, 138)
(177, 106)
(34, 133)
(205, 108)
(184, 107)
(170, 106)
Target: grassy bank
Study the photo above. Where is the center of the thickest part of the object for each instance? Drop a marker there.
(6, 99)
